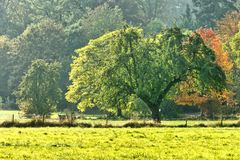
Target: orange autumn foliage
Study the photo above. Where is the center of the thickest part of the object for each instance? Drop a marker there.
(196, 99)
(214, 42)
(193, 100)
(189, 94)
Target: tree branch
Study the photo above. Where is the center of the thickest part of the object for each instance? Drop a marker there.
(168, 88)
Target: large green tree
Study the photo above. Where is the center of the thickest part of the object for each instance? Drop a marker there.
(121, 66)
(39, 92)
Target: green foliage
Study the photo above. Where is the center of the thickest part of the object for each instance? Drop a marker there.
(18, 14)
(138, 107)
(1, 102)
(101, 20)
(14, 17)
(39, 92)
(3, 18)
(141, 12)
(153, 27)
(170, 109)
(188, 20)
(208, 11)
(95, 23)
(44, 40)
(5, 67)
(120, 65)
(234, 50)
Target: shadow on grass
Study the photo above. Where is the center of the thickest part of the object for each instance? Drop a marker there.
(37, 123)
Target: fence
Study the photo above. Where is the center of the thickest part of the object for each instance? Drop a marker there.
(17, 116)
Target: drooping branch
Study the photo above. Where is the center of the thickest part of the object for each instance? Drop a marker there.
(172, 83)
(134, 63)
(168, 88)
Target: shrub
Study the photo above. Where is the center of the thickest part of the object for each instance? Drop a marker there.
(103, 126)
(85, 125)
(8, 124)
(200, 125)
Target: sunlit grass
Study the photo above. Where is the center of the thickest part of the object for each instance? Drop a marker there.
(147, 143)
(7, 115)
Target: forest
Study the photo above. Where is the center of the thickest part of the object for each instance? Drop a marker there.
(152, 58)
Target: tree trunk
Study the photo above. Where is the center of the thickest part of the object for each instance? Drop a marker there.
(221, 123)
(43, 118)
(13, 118)
(156, 115)
(119, 112)
(202, 113)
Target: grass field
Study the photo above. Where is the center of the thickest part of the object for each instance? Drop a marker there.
(145, 143)
(7, 115)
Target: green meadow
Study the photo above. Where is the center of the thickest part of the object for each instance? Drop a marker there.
(144, 143)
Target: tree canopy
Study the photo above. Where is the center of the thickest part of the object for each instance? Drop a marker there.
(123, 65)
(39, 92)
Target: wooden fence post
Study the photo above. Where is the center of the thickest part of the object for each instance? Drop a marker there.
(186, 122)
(12, 118)
(221, 123)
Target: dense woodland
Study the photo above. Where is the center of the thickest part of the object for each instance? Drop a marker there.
(121, 56)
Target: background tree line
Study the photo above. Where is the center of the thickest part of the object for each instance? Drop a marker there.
(51, 30)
